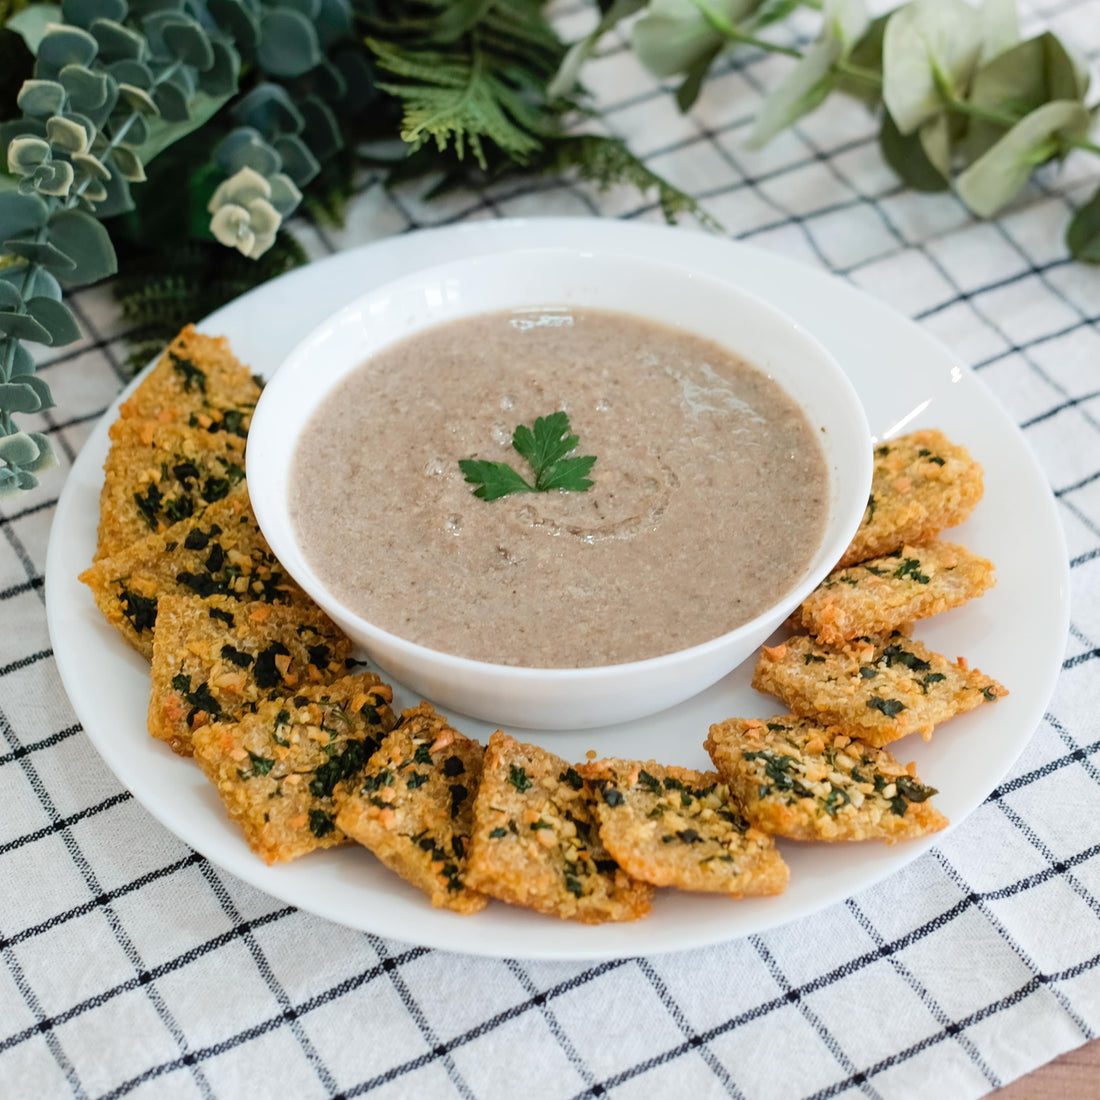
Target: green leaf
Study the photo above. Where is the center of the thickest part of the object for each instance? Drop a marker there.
(995, 177)
(288, 43)
(322, 129)
(547, 443)
(138, 99)
(189, 42)
(220, 80)
(85, 241)
(66, 135)
(171, 101)
(63, 45)
(21, 326)
(238, 20)
(245, 148)
(56, 319)
(21, 214)
(161, 133)
(675, 35)
(89, 165)
(928, 44)
(692, 84)
(568, 474)
(269, 109)
(126, 162)
(999, 27)
(31, 283)
(1035, 72)
(906, 154)
(1083, 235)
(846, 21)
(11, 300)
(19, 449)
(32, 23)
(117, 43)
(803, 89)
(41, 98)
(495, 479)
(866, 54)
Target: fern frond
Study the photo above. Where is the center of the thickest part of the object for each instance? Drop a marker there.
(460, 99)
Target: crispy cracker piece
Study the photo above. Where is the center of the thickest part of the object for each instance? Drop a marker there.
(798, 780)
(675, 827)
(413, 806)
(876, 689)
(158, 475)
(215, 659)
(886, 594)
(922, 483)
(199, 382)
(276, 769)
(535, 841)
(220, 554)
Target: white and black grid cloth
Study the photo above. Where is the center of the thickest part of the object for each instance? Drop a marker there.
(130, 966)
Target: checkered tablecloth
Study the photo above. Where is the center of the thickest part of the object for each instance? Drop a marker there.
(130, 966)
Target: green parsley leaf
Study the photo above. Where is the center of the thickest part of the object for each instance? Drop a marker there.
(546, 449)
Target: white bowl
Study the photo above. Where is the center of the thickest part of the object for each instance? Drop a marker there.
(559, 698)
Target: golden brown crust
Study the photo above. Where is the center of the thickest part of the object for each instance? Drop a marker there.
(921, 484)
(215, 659)
(535, 840)
(876, 689)
(796, 779)
(198, 382)
(157, 475)
(221, 554)
(673, 826)
(890, 593)
(413, 806)
(276, 770)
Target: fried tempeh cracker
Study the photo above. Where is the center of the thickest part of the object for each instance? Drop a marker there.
(673, 826)
(276, 770)
(798, 780)
(221, 554)
(535, 841)
(214, 659)
(876, 689)
(885, 594)
(158, 475)
(413, 806)
(199, 382)
(921, 484)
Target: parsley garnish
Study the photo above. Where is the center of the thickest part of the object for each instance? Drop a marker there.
(518, 777)
(545, 449)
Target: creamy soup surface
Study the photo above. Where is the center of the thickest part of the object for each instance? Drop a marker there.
(709, 499)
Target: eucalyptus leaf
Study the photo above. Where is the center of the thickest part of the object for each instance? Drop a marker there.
(803, 89)
(334, 21)
(54, 179)
(41, 98)
(87, 90)
(358, 77)
(26, 394)
(32, 22)
(131, 128)
(25, 154)
(20, 127)
(995, 177)
(1083, 235)
(692, 84)
(138, 100)
(82, 13)
(116, 42)
(309, 8)
(284, 196)
(56, 319)
(929, 45)
(22, 326)
(329, 81)
(21, 214)
(19, 449)
(86, 243)
(171, 102)
(32, 282)
(322, 129)
(90, 165)
(906, 154)
(190, 43)
(63, 45)
(10, 301)
(133, 72)
(118, 199)
(269, 109)
(245, 148)
(40, 252)
(238, 20)
(66, 134)
(297, 161)
(128, 164)
(220, 80)
(288, 43)
(22, 361)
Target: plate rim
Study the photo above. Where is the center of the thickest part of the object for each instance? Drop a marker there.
(254, 872)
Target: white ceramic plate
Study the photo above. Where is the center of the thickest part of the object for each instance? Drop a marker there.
(905, 380)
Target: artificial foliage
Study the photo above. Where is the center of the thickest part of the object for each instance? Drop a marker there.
(148, 137)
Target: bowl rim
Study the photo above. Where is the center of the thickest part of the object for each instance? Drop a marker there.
(266, 504)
